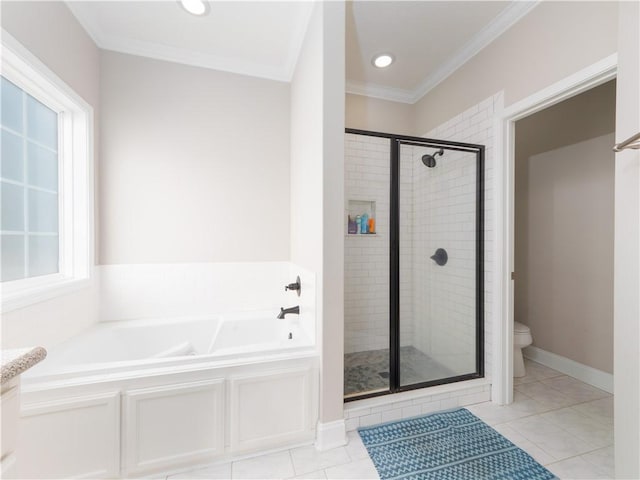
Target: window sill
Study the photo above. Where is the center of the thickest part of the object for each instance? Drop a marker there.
(49, 288)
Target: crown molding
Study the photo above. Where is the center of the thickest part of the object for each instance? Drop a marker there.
(157, 51)
(298, 39)
(87, 22)
(380, 91)
(500, 24)
(507, 18)
(195, 59)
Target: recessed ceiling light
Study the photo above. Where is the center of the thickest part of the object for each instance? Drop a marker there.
(382, 60)
(196, 7)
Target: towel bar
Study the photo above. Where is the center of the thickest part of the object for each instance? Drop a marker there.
(631, 142)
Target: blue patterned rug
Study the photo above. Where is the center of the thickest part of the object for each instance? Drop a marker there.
(450, 445)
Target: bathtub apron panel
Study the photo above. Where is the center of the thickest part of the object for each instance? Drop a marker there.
(169, 425)
(73, 437)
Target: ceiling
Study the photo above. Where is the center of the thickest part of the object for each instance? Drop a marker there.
(429, 39)
(256, 38)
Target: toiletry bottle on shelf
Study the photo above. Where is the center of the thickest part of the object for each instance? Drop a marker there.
(372, 225)
(365, 223)
(358, 224)
(351, 226)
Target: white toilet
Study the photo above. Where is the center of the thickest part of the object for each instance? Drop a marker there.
(521, 338)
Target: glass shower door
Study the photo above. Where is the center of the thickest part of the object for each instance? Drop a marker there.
(439, 256)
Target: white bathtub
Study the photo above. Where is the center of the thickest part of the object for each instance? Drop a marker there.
(131, 345)
(147, 396)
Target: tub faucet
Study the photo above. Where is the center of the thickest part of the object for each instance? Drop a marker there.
(284, 311)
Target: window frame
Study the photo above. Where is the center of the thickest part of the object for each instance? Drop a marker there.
(75, 180)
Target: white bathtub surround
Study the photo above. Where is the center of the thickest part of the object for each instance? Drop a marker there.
(592, 376)
(131, 291)
(370, 411)
(331, 435)
(243, 392)
(307, 300)
(200, 289)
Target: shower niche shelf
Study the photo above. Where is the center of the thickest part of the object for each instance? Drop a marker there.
(360, 207)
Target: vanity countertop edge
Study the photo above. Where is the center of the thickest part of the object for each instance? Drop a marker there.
(17, 360)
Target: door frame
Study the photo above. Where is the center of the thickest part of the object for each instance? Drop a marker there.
(504, 202)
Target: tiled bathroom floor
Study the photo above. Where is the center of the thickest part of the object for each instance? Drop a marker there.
(564, 424)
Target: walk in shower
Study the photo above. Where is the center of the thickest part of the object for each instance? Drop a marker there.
(413, 263)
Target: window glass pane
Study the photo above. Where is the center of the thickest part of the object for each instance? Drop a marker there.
(43, 255)
(12, 257)
(28, 207)
(11, 106)
(43, 211)
(12, 207)
(42, 123)
(42, 168)
(11, 161)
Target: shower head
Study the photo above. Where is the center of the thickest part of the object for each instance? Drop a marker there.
(430, 160)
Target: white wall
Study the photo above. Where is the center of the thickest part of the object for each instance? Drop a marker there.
(306, 150)
(627, 251)
(333, 125)
(317, 162)
(195, 164)
(377, 115)
(51, 33)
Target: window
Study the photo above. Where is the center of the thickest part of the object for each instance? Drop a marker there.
(29, 184)
(46, 182)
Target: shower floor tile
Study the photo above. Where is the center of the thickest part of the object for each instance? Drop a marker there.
(369, 371)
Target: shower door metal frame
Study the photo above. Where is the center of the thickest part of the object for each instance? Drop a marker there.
(395, 142)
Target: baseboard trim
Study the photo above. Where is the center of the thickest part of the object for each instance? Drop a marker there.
(584, 373)
(331, 435)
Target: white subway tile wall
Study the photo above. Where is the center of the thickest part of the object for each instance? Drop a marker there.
(368, 179)
(362, 416)
(366, 296)
(474, 125)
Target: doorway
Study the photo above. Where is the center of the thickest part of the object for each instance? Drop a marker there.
(564, 235)
(592, 76)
